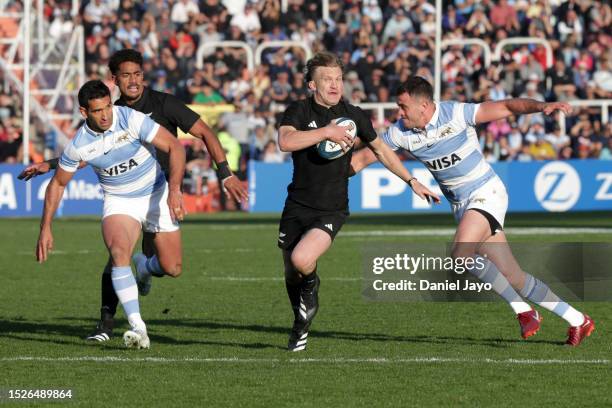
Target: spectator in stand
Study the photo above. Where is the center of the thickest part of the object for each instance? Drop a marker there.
(247, 20)
(202, 93)
(525, 154)
(515, 142)
(478, 24)
(236, 124)
(562, 80)
(271, 154)
(531, 91)
(571, 25)
(531, 69)
(128, 33)
(281, 88)
(352, 82)
(602, 78)
(542, 150)
(606, 152)
(233, 153)
(94, 12)
(399, 24)
(372, 10)
(298, 88)
(182, 10)
(558, 140)
(499, 128)
(503, 15)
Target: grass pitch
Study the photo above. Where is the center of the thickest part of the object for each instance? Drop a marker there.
(218, 333)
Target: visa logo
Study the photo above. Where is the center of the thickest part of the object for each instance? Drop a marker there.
(443, 162)
(121, 168)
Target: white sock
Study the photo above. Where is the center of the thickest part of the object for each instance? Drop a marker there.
(539, 293)
(127, 292)
(499, 283)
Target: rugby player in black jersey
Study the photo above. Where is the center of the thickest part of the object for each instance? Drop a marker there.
(317, 201)
(171, 113)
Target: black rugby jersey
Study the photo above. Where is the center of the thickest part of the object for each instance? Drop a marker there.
(317, 182)
(167, 110)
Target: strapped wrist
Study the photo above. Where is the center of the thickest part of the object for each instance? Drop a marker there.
(224, 170)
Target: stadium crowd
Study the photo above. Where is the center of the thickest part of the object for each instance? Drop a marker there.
(381, 42)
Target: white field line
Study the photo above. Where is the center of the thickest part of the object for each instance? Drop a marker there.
(393, 233)
(451, 231)
(434, 231)
(386, 233)
(62, 252)
(377, 360)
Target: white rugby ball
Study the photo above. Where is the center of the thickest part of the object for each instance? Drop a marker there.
(330, 150)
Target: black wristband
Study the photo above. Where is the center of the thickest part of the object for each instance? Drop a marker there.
(411, 180)
(53, 163)
(224, 170)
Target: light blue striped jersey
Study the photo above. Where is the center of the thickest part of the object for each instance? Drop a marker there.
(122, 157)
(448, 147)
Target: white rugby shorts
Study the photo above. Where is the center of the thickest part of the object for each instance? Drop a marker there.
(150, 211)
(491, 197)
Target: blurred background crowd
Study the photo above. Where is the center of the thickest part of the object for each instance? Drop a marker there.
(381, 42)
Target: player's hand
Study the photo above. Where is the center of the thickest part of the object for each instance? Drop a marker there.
(234, 189)
(551, 107)
(44, 245)
(425, 193)
(340, 135)
(34, 170)
(175, 203)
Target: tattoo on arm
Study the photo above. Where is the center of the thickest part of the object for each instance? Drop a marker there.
(522, 105)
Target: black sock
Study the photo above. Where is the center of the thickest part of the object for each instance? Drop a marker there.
(310, 280)
(109, 297)
(293, 290)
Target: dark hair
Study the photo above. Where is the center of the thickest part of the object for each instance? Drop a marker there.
(416, 86)
(121, 56)
(95, 89)
(321, 59)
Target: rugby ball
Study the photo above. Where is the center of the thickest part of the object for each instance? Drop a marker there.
(330, 150)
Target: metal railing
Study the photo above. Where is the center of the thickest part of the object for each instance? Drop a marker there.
(471, 41)
(253, 57)
(224, 44)
(603, 104)
(522, 41)
(279, 44)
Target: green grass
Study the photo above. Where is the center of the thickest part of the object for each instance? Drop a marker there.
(205, 317)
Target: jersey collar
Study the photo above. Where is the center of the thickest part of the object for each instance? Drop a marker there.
(434, 118)
(320, 109)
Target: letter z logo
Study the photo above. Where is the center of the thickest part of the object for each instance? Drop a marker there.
(605, 191)
(557, 186)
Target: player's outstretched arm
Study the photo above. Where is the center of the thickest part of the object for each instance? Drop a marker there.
(491, 111)
(232, 185)
(290, 139)
(53, 195)
(390, 160)
(361, 159)
(164, 141)
(37, 169)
